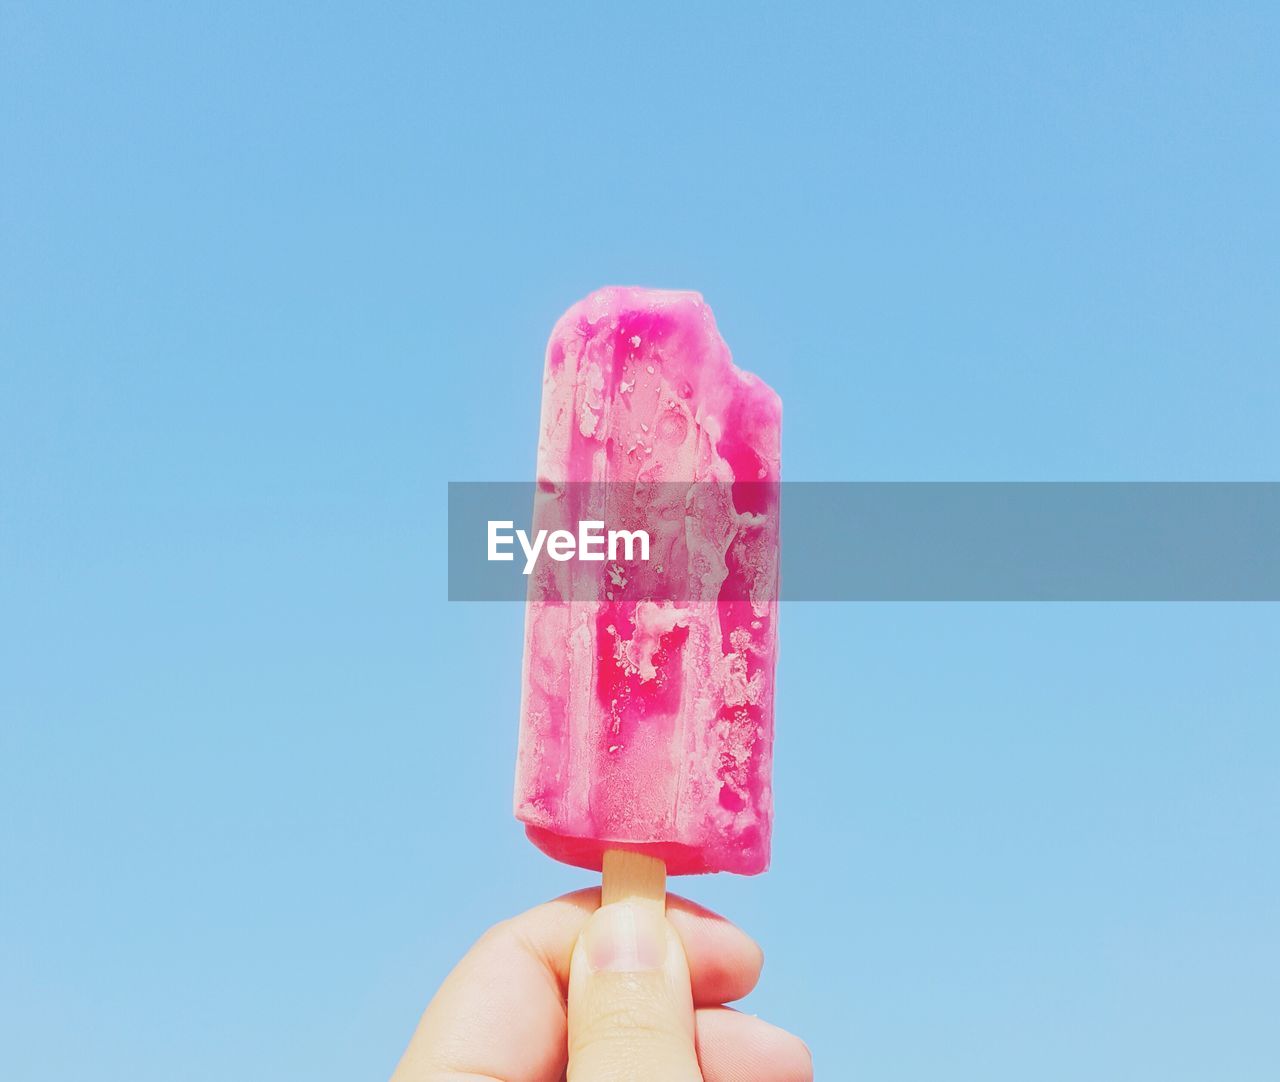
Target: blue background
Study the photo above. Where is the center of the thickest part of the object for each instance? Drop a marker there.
(271, 277)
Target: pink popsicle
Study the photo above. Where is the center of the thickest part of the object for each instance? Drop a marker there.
(646, 719)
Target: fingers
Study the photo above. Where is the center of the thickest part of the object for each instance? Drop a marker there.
(498, 1015)
(630, 1005)
(724, 962)
(735, 1047)
(501, 1012)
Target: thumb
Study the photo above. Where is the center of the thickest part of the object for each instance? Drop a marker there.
(630, 1004)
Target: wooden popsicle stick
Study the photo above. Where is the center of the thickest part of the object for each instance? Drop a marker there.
(633, 877)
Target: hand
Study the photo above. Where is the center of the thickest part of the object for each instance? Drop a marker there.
(645, 1002)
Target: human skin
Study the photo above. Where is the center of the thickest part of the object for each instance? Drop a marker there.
(509, 1011)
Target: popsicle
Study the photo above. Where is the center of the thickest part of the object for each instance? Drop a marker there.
(646, 719)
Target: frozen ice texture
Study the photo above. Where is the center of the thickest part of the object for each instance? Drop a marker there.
(646, 719)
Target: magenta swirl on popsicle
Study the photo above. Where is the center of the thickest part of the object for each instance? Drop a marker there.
(646, 720)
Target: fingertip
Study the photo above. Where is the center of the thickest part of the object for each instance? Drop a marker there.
(724, 961)
(734, 1046)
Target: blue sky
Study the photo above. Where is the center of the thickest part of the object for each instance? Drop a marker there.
(270, 279)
